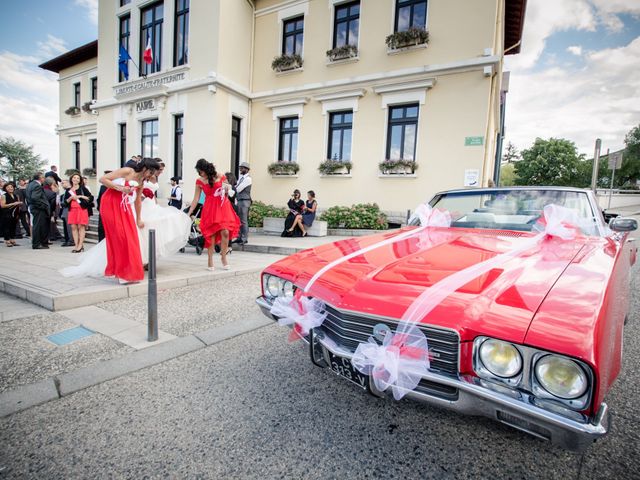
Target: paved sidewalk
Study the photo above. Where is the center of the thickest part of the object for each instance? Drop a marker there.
(12, 308)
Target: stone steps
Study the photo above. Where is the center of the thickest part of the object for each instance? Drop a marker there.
(91, 235)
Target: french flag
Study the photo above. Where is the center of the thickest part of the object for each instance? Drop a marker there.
(147, 56)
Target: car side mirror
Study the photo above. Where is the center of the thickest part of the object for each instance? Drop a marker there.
(623, 224)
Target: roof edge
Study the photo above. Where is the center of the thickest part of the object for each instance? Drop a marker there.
(72, 57)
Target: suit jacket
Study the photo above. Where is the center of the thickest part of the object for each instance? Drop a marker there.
(53, 174)
(86, 204)
(36, 197)
(103, 189)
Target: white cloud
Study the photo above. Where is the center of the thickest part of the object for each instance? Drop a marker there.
(575, 49)
(51, 48)
(602, 100)
(92, 9)
(29, 103)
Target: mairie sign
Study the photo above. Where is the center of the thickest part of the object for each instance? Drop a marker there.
(145, 84)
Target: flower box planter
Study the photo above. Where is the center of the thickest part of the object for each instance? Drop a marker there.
(342, 53)
(398, 167)
(86, 107)
(407, 38)
(283, 168)
(72, 110)
(89, 172)
(285, 63)
(335, 167)
(71, 172)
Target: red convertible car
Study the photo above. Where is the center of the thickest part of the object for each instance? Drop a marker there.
(522, 308)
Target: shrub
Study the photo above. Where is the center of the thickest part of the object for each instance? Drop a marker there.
(283, 168)
(329, 167)
(360, 216)
(398, 166)
(259, 210)
(286, 62)
(342, 52)
(406, 38)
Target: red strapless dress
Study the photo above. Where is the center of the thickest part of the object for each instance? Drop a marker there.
(217, 213)
(121, 236)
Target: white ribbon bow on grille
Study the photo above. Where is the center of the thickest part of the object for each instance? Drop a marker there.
(399, 363)
(303, 313)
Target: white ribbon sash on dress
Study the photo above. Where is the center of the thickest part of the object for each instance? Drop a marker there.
(222, 193)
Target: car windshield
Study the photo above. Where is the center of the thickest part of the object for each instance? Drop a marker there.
(512, 209)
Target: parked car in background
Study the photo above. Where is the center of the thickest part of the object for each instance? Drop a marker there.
(534, 342)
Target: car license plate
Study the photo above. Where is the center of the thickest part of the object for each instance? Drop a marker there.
(342, 366)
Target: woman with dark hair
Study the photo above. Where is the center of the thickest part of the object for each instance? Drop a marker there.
(10, 212)
(79, 199)
(123, 249)
(305, 220)
(218, 220)
(296, 207)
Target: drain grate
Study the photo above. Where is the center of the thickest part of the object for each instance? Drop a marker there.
(71, 335)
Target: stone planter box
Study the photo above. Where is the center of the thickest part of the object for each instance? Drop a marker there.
(273, 226)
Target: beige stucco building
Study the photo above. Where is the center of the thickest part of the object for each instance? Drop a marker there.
(431, 100)
(77, 128)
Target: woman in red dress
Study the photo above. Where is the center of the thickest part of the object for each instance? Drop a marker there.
(218, 220)
(79, 199)
(121, 235)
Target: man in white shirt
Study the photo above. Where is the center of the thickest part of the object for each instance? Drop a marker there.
(175, 199)
(243, 199)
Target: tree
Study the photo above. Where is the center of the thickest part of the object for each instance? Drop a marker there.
(550, 162)
(511, 154)
(17, 159)
(507, 175)
(629, 173)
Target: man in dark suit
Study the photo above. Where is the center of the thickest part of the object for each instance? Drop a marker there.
(100, 193)
(40, 210)
(53, 173)
(133, 161)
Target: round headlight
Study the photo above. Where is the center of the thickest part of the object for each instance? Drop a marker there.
(561, 377)
(500, 358)
(287, 289)
(273, 286)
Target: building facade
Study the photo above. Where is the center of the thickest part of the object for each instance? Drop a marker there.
(78, 90)
(402, 96)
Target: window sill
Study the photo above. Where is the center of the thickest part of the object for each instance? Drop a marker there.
(397, 175)
(342, 61)
(336, 175)
(398, 51)
(289, 72)
(284, 175)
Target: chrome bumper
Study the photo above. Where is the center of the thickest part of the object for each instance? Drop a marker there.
(481, 398)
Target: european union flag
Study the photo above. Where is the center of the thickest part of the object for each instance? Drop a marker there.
(123, 62)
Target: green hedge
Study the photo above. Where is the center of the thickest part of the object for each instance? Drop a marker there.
(360, 216)
(260, 210)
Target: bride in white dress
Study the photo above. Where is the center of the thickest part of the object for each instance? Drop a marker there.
(172, 228)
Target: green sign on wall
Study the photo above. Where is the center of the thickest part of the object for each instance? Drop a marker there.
(473, 141)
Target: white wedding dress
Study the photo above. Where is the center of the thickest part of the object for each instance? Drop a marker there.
(172, 228)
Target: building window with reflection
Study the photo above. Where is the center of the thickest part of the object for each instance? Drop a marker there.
(123, 143)
(181, 36)
(124, 2)
(410, 14)
(125, 32)
(177, 145)
(402, 132)
(293, 36)
(76, 94)
(149, 147)
(288, 142)
(76, 155)
(346, 24)
(340, 126)
(94, 153)
(151, 19)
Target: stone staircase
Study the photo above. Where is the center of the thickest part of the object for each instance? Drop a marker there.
(91, 236)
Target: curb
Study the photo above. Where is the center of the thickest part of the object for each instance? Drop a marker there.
(58, 386)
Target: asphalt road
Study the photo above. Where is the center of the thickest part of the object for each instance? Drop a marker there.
(254, 407)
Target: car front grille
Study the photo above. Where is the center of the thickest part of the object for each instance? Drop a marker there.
(349, 329)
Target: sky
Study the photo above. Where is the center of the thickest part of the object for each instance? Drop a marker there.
(577, 76)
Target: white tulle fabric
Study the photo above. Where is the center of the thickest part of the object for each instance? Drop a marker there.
(172, 232)
(302, 313)
(172, 226)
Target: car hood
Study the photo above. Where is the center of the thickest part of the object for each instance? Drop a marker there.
(386, 280)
